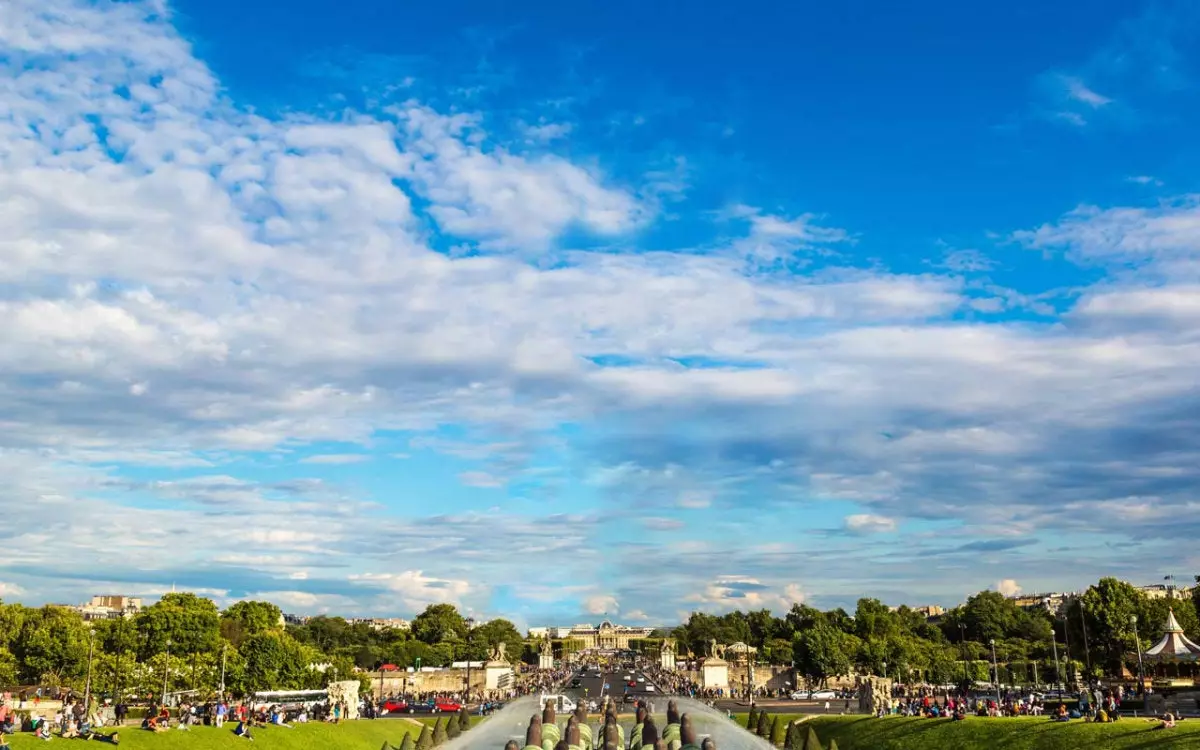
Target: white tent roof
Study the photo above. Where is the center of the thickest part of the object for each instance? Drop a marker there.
(1174, 644)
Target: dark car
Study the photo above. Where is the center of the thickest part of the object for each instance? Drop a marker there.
(422, 708)
(576, 682)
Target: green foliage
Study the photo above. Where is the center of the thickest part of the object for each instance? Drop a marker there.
(191, 623)
(790, 736)
(810, 740)
(1108, 608)
(52, 645)
(244, 619)
(439, 623)
(464, 719)
(439, 733)
(752, 720)
(407, 743)
(833, 745)
(824, 651)
(425, 741)
(489, 635)
(764, 725)
(777, 730)
(452, 728)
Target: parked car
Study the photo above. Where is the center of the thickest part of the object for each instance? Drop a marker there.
(447, 706)
(393, 707)
(822, 695)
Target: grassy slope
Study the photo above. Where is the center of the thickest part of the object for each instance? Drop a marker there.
(896, 733)
(354, 735)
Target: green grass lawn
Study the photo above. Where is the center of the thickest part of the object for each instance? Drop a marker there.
(353, 735)
(976, 733)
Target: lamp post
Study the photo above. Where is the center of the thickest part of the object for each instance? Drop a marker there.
(995, 671)
(467, 692)
(962, 650)
(1138, 641)
(166, 670)
(224, 648)
(1054, 643)
(87, 690)
(1087, 649)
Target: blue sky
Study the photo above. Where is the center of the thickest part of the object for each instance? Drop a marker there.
(561, 311)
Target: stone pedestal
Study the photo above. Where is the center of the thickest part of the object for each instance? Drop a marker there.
(874, 693)
(666, 657)
(346, 694)
(714, 673)
(498, 675)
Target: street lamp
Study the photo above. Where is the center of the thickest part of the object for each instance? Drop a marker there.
(87, 690)
(1138, 641)
(1054, 643)
(166, 670)
(467, 692)
(995, 670)
(962, 650)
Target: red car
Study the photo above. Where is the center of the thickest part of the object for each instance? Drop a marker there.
(447, 706)
(393, 706)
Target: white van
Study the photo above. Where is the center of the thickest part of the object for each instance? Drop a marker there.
(562, 704)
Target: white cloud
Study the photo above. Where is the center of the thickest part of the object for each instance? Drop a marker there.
(599, 604)
(866, 523)
(335, 458)
(10, 589)
(414, 590)
(544, 132)
(1143, 179)
(1008, 587)
(1078, 91)
(731, 592)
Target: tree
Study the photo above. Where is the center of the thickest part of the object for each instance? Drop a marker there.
(452, 729)
(247, 618)
(439, 623)
(439, 733)
(464, 719)
(52, 645)
(873, 620)
(824, 652)
(1108, 608)
(790, 736)
(491, 634)
(811, 742)
(407, 743)
(425, 741)
(777, 731)
(190, 622)
(764, 725)
(752, 720)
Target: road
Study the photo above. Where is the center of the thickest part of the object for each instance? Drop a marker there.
(587, 685)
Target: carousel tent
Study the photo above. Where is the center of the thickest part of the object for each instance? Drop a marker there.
(1174, 644)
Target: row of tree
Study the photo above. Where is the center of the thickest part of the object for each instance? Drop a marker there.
(185, 642)
(1093, 634)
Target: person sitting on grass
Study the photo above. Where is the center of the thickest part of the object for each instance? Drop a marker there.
(43, 731)
(1168, 721)
(277, 719)
(243, 730)
(1061, 713)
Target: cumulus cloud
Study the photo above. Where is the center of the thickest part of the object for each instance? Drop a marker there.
(1008, 587)
(197, 289)
(599, 604)
(731, 592)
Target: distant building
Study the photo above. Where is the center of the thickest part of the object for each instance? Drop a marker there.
(289, 619)
(539, 632)
(382, 623)
(109, 607)
(1053, 601)
(1163, 591)
(928, 611)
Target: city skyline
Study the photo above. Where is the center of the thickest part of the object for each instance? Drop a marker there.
(596, 309)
